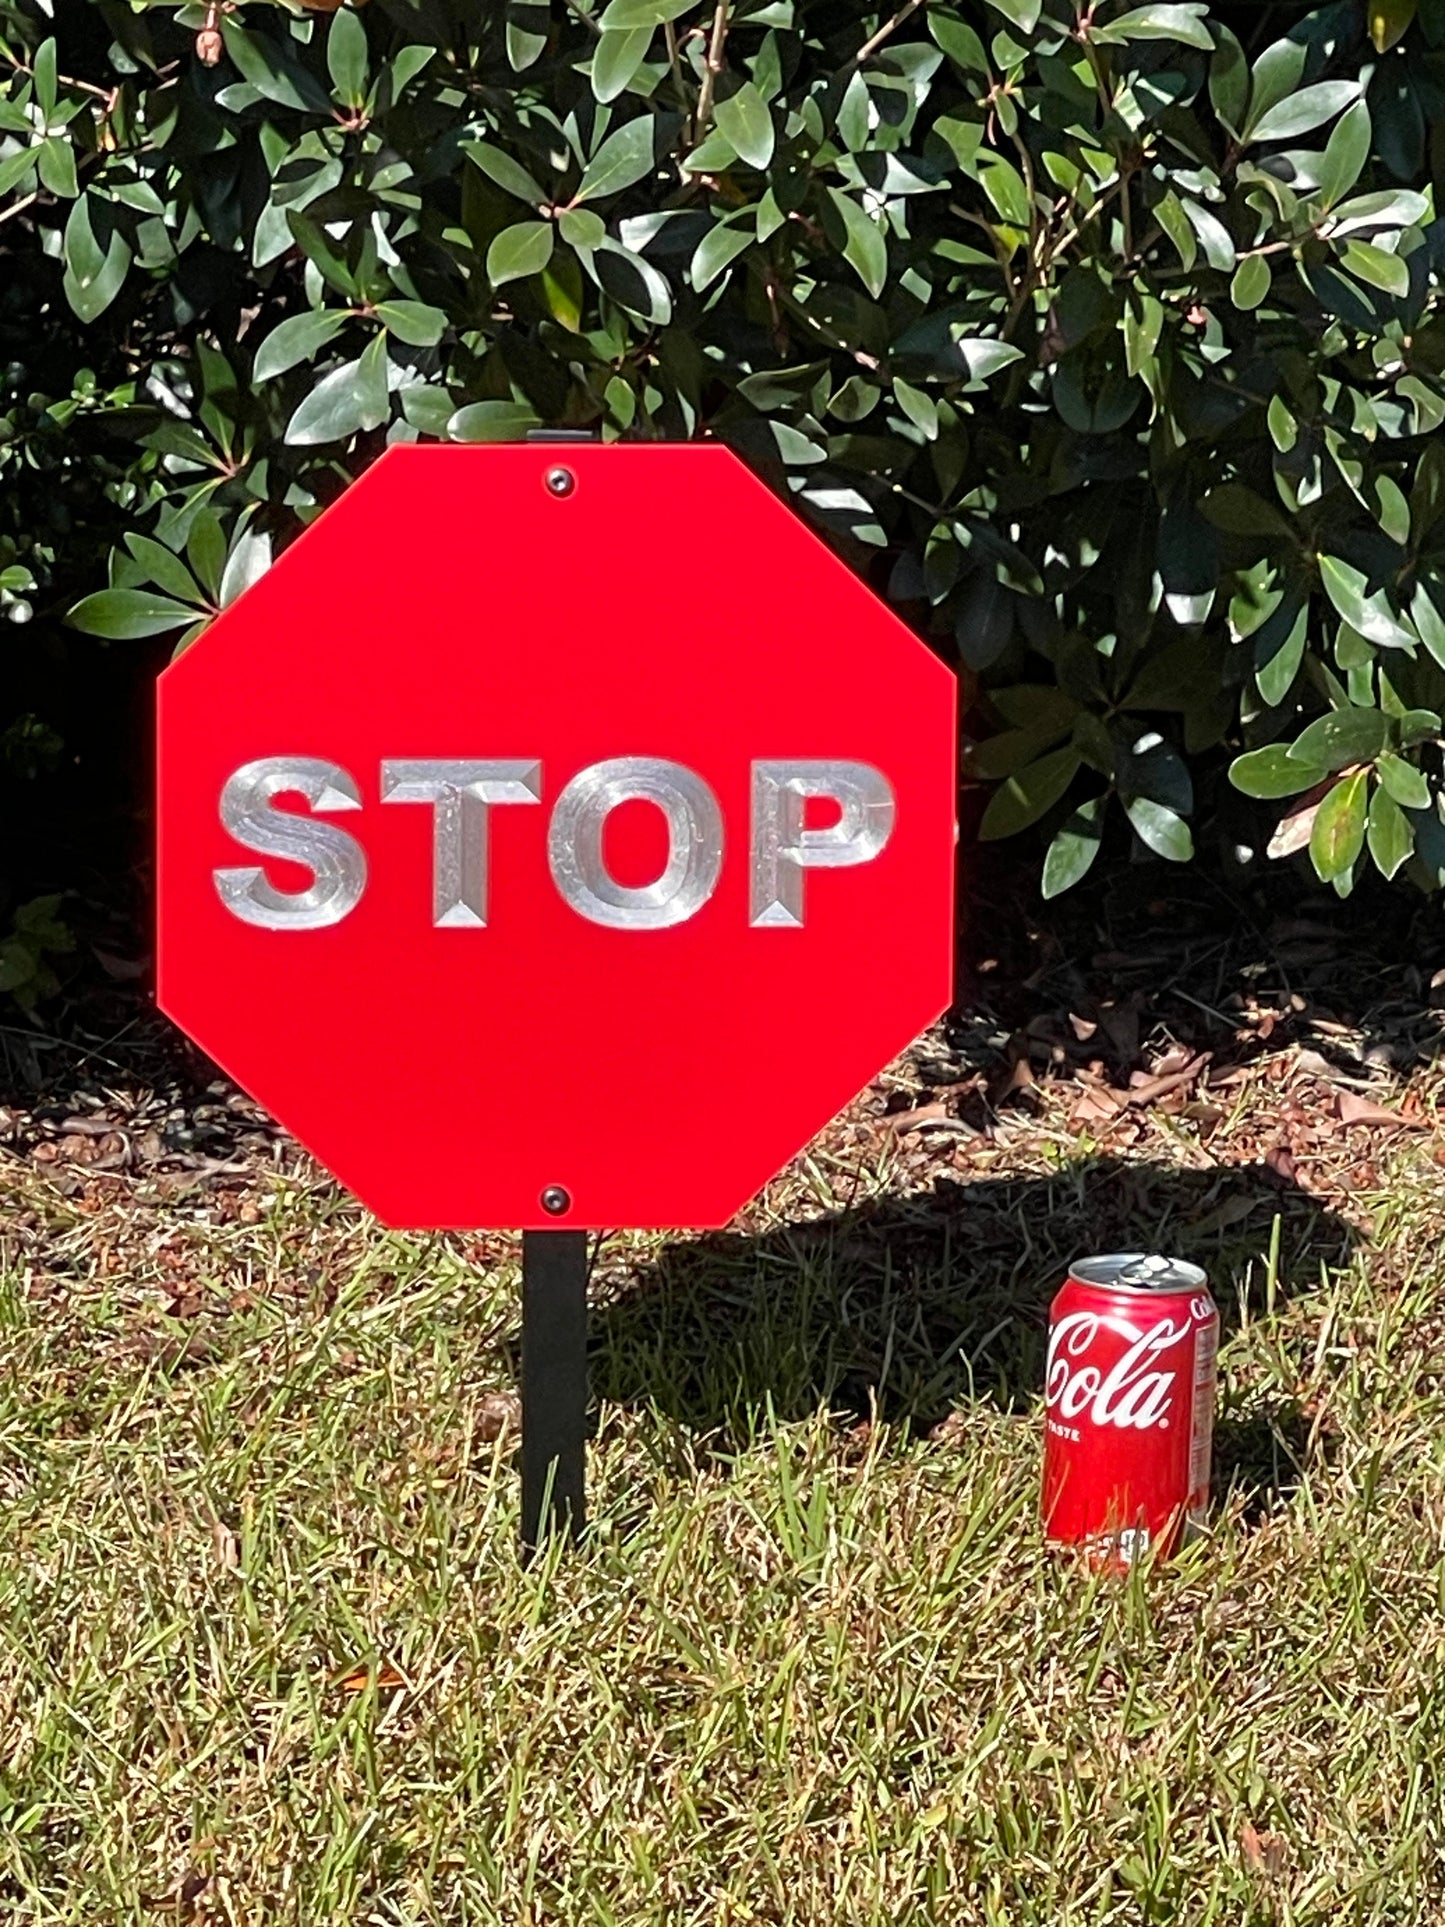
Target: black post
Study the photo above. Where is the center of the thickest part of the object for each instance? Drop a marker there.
(554, 1385)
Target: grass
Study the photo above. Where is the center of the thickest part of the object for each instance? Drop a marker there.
(808, 1669)
(267, 1653)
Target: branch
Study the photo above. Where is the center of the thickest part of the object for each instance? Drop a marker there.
(586, 18)
(870, 47)
(18, 207)
(712, 67)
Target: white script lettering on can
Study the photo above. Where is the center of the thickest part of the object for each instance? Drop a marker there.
(1130, 1393)
(462, 793)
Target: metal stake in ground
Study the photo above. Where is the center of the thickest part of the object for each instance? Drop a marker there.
(554, 1385)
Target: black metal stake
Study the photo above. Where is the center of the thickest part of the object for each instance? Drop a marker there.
(554, 1385)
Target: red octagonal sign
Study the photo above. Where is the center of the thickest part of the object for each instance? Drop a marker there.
(556, 820)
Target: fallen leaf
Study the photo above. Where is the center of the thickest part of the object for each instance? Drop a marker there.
(385, 1678)
(1359, 1110)
(1263, 1853)
(910, 1120)
(499, 1416)
(1152, 1088)
(1082, 1027)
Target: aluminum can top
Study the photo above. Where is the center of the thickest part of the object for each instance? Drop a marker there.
(1138, 1271)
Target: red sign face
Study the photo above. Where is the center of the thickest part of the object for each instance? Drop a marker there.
(556, 820)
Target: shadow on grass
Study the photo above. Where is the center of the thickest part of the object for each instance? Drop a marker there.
(1263, 1454)
(919, 1305)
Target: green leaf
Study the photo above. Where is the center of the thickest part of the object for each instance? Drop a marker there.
(1229, 80)
(580, 228)
(864, 247)
(1273, 772)
(92, 297)
(1346, 152)
(509, 175)
(983, 357)
(491, 421)
(1214, 236)
(617, 59)
(1183, 23)
(642, 13)
(1237, 510)
(1343, 737)
(206, 551)
(1005, 187)
(621, 161)
(1338, 835)
(1426, 616)
(333, 411)
(1023, 14)
(1298, 113)
(1395, 207)
(562, 290)
(1279, 648)
(958, 40)
(18, 167)
(301, 337)
(346, 56)
(717, 250)
(1162, 829)
(373, 388)
(56, 158)
(746, 120)
(1074, 848)
(1251, 282)
(633, 283)
(124, 615)
(1403, 780)
(165, 568)
(428, 408)
(1347, 588)
(413, 322)
(520, 250)
(1028, 794)
(248, 561)
(1390, 834)
(1377, 268)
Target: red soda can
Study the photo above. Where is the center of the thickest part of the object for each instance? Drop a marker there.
(1129, 1392)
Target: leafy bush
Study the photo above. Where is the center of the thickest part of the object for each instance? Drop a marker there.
(1111, 331)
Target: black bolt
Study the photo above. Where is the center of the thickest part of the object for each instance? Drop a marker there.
(560, 481)
(556, 1200)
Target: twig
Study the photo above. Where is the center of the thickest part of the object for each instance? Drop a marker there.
(712, 67)
(18, 207)
(870, 47)
(586, 18)
(674, 61)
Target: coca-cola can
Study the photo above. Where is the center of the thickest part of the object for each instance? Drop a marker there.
(1129, 1397)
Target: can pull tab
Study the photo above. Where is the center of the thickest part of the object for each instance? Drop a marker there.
(1153, 1272)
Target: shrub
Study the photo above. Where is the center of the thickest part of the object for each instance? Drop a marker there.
(1111, 331)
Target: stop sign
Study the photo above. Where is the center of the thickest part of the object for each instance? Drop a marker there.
(555, 822)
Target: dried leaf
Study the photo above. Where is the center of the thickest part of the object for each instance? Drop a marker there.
(384, 1679)
(1263, 1853)
(911, 1120)
(499, 1416)
(1150, 1089)
(1359, 1110)
(1293, 832)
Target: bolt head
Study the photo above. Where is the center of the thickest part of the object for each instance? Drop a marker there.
(560, 481)
(556, 1200)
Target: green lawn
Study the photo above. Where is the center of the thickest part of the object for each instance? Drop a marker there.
(267, 1653)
